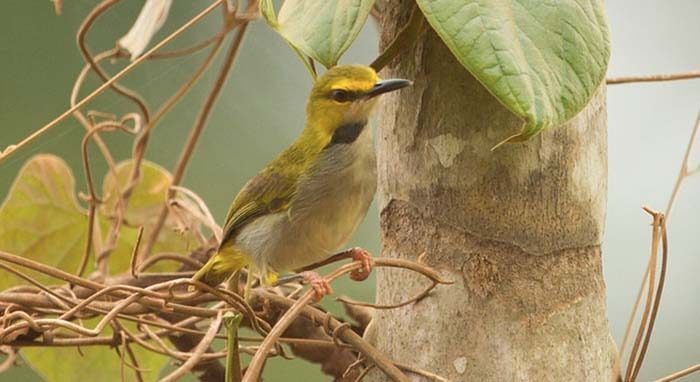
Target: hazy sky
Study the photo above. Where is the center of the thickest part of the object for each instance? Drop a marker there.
(648, 128)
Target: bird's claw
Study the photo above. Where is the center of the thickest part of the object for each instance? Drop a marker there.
(359, 254)
(320, 285)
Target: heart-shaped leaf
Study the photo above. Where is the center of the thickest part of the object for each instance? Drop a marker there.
(147, 198)
(322, 30)
(542, 60)
(42, 220)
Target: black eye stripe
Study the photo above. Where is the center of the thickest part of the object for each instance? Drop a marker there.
(343, 95)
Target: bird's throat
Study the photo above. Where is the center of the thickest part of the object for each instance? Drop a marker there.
(347, 133)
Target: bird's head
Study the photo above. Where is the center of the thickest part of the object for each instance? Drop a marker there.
(344, 95)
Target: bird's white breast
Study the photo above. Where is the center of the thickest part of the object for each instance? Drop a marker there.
(331, 200)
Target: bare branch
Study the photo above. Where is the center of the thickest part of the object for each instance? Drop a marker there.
(256, 364)
(654, 78)
(198, 351)
(680, 374)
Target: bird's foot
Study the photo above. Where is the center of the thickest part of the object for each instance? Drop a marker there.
(359, 254)
(320, 285)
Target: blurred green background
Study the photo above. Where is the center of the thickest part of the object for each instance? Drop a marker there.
(261, 111)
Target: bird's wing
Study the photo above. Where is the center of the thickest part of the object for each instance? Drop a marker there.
(266, 193)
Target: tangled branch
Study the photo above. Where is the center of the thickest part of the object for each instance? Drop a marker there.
(27, 318)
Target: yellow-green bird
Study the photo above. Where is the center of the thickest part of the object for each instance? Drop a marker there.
(306, 203)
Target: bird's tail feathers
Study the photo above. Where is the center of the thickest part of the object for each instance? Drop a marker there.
(221, 266)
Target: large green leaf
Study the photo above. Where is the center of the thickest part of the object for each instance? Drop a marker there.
(41, 218)
(322, 30)
(147, 199)
(543, 60)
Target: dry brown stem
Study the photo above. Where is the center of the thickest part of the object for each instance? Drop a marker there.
(137, 304)
(258, 361)
(654, 78)
(648, 280)
(198, 351)
(680, 374)
(203, 116)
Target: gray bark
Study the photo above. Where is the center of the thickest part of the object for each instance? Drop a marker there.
(518, 229)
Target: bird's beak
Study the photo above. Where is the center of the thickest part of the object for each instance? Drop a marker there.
(385, 86)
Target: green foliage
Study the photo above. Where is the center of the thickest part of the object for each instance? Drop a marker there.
(41, 218)
(543, 61)
(147, 196)
(43, 221)
(322, 30)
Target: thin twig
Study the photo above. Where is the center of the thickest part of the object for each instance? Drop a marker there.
(652, 302)
(93, 200)
(92, 285)
(421, 372)
(82, 33)
(9, 150)
(654, 78)
(201, 122)
(682, 175)
(168, 256)
(197, 353)
(647, 305)
(680, 374)
(88, 124)
(134, 253)
(119, 331)
(256, 364)
(684, 171)
(188, 50)
(409, 301)
(9, 361)
(139, 149)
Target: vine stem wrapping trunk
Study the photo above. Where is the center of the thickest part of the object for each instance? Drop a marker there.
(519, 229)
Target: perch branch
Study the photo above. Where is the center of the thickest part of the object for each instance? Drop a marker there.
(256, 364)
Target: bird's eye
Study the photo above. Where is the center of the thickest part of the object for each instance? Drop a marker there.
(340, 96)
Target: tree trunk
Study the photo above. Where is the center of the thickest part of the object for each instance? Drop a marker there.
(518, 229)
